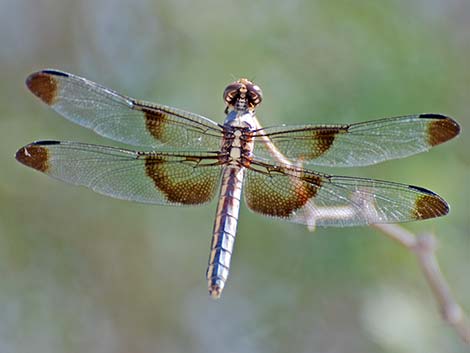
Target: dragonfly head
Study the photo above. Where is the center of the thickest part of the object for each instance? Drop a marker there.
(242, 95)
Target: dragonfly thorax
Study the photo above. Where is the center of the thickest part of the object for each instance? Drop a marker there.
(243, 120)
(237, 144)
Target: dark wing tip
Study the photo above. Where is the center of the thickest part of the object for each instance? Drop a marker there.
(428, 204)
(45, 143)
(44, 85)
(433, 116)
(55, 72)
(441, 129)
(422, 190)
(34, 156)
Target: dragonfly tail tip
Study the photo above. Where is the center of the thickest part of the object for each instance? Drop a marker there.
(215, 291)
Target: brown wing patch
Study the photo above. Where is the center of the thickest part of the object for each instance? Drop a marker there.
(177, 189)
(281, 195)
(44, 86)
(155, 122)
(442, 129)
(317, 141)
(34, 156)
(429, 206)
(324, 139)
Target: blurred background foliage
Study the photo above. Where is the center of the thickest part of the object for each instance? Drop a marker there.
(84, 273)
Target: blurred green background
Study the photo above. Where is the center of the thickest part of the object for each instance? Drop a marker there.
(84, 273)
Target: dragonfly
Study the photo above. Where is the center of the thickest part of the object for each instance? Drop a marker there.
(185, 157)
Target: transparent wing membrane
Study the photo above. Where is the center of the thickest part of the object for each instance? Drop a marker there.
(310, 198)
(121, 118)
(158, 178)
(358, 144)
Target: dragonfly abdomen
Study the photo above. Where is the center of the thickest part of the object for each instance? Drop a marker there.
(225, 229)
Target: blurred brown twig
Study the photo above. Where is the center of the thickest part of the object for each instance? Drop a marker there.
(424, 247)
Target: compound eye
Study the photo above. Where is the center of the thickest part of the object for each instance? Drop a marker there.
(255, 94)
(231, 91)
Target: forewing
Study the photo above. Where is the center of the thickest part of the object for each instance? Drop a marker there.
(154, 177)
(310, 198)
(121, 118)
(356, 144)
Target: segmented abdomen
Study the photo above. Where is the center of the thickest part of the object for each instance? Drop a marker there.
(225, 229)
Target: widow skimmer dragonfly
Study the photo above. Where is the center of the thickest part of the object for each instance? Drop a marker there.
(190, 156)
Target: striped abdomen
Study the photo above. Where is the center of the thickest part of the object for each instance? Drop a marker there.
(225, 229)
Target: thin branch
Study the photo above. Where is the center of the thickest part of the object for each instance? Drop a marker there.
(424, 247)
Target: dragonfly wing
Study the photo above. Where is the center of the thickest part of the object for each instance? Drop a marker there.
(310, 198)
(149, 177)
(356, 144)
(121, 118)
